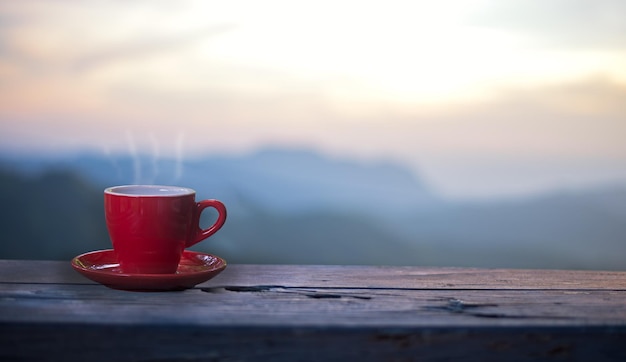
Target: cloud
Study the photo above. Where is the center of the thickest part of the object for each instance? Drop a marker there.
(67, 36)
(579, 119)
(561, 23)
(144, 47)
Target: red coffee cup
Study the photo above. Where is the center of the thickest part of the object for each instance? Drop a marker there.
(150, 225)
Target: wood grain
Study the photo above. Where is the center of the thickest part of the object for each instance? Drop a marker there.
(18, 271)
(317, 307)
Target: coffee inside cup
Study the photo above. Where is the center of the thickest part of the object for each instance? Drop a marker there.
(149, 190)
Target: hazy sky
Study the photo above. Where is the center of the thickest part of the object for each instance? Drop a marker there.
(481, 97)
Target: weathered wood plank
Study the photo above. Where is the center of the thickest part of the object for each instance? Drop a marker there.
(284, 313)
(12, 271)
(54, 342)
(318, 307)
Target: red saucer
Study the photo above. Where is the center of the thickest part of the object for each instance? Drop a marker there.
(194, 268)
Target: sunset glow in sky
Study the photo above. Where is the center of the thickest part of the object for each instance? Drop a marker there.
(480, 97)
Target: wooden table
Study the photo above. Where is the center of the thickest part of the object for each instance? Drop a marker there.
(322, 313)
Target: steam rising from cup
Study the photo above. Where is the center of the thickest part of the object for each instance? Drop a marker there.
(151, 169)
(132, 150)
(180, 142)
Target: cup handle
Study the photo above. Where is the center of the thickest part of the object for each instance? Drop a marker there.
(202, 234)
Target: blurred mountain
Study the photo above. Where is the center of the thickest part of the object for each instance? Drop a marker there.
(53, 215)
(297, 206)
(570, 230)
(281, 180)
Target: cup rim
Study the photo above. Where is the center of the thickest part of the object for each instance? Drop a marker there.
(152, 190)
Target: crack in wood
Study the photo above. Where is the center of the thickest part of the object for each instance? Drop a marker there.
(307, 292)
(458, 306)
(251, 289)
